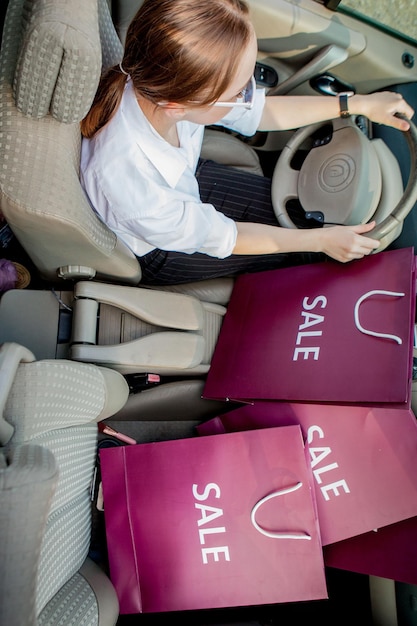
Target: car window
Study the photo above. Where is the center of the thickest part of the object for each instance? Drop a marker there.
(399, 17)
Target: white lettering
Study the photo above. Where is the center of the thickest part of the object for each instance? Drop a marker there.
(316, 301)
(215, 551)
(311, 431)
(207, 489)
(309, 320)
(334, 487)
(322, 470)
(308, 333)
(317, 456)
(208, 515)
(306, 352)
(209, 531)
(215, 513)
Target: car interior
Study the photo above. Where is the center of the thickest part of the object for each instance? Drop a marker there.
(87, 353)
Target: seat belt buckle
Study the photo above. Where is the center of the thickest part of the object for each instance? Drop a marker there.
(142, 381)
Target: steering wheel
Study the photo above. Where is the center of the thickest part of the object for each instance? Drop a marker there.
(346, 178)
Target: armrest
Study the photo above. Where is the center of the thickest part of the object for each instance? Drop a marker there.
(170, 310)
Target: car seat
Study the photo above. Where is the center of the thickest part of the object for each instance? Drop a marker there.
(50, 62)
(51, 59)
(49, 411)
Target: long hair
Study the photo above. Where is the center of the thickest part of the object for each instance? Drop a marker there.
(175, 51)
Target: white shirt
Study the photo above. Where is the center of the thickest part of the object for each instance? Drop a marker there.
(145, 189)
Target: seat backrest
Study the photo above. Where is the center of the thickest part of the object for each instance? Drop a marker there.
(52, 405)
(51, 58)
(50, 63)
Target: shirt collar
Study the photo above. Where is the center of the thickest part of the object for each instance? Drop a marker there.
(169, 161)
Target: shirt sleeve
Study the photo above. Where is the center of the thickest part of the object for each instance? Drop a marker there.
(168, 220)
(182, 227)
(245, 121)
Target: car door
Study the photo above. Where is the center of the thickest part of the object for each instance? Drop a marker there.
(311, 47)
(304, 39)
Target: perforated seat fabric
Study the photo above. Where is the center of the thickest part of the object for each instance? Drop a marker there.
(53, 405)
(28, 476)
(74, 604)
(55, 47)
(55, 58)
(44, 391)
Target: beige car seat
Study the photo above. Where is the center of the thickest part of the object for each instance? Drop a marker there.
(51, 58)
(50, 62)
(49, 411)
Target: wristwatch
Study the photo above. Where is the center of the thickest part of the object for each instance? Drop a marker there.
(343, 102)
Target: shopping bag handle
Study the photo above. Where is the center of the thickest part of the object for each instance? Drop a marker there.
(273, 534)
(359, 326)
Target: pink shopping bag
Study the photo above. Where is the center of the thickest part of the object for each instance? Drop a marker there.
(324, 332)
(389, 552)
(363, 460)
(212, 522)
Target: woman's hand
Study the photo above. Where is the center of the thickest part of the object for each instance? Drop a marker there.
(342, 243)
(285, 112)
(345, 243)
(382, 107)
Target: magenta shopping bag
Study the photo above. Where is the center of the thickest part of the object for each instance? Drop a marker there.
(389, 552)
(325, 332)
(212, 522)
(363, 460)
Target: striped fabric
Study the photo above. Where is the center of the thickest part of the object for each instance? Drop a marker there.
(242, 196)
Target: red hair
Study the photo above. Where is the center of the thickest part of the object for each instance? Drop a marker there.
(175, 51)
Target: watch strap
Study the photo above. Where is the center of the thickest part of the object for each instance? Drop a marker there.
(344, 104)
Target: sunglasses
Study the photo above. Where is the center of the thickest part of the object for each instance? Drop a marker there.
(245, 97)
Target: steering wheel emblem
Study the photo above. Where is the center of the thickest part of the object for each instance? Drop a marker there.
(341, 180)
(336, 173)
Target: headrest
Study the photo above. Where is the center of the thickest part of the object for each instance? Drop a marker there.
(59, 62)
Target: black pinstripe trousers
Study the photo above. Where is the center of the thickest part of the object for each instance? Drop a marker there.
(241, 196)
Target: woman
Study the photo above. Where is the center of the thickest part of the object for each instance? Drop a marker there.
(188, 64)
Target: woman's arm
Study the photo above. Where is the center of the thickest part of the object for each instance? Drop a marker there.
(286, 112)
(342, 243)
